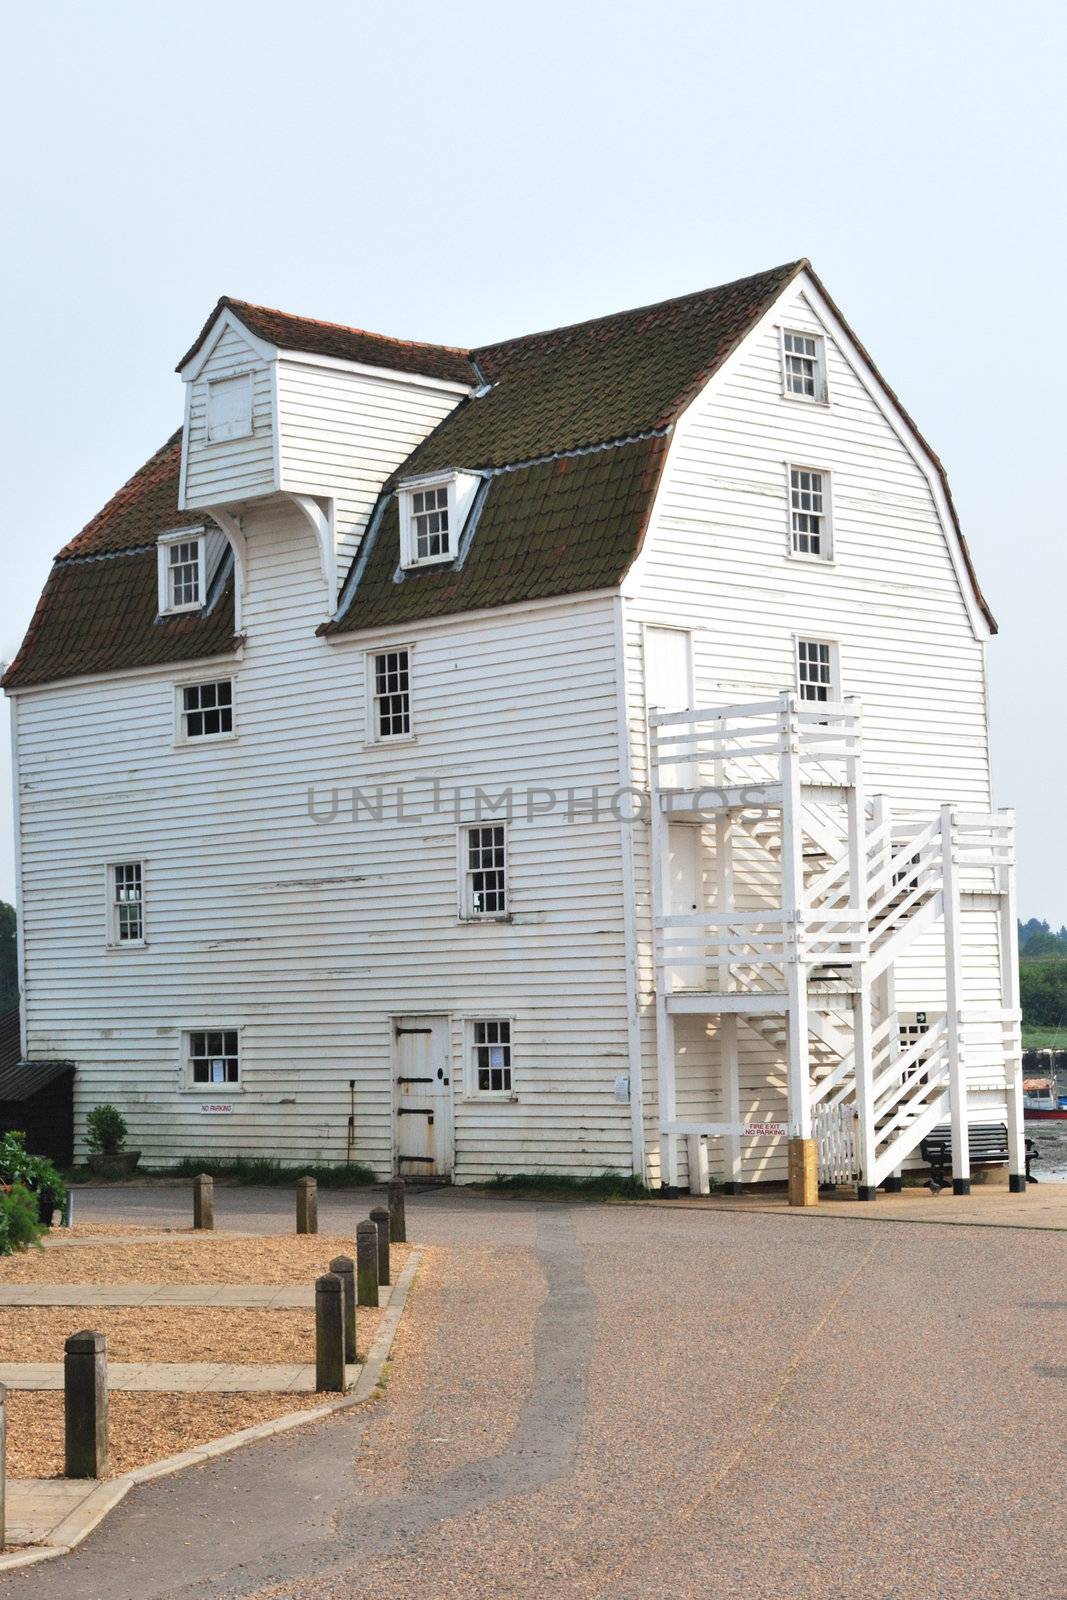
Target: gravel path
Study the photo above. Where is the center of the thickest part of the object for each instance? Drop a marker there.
(613, 1403)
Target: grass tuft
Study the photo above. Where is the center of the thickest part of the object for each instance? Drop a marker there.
(603, 1186)
(258, 1170)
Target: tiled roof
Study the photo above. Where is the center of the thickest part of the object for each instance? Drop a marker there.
(608, 379)
(347, 344)
(144, 507)
(100, 615)
(570, 427)
(575, 522)
(98, 612)
(562, 526)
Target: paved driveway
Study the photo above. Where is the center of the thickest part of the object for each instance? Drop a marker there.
(624, 1402)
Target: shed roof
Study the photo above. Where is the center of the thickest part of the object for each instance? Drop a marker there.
(20, 1079)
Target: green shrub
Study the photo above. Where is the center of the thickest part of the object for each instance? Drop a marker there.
(265, 1170)
(105, 1130)
(19, 1226)
(35, 1173)
(600, 1186)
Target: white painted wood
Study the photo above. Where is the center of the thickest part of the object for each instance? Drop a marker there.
(311, 937)
(957, 1083)
(422, 1078)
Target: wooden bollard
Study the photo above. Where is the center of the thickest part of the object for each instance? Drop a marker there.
(3, 1466)
(203, 1201)
(344, 1267)
(380, 1217)
(367, 1263)
(85, 1405)
(307, 1205)
(397, 1221)
(329, 1334)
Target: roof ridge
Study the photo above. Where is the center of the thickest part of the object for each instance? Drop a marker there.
(343, 327)
(787, 269)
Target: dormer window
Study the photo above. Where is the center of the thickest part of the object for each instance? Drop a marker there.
(229, 408)
(182, 574)
(432, 515)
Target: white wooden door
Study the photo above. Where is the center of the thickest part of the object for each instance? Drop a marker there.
(669, 687)
(687, 896)
(422, 1072)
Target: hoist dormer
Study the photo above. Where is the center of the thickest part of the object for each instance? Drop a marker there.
(316, 412)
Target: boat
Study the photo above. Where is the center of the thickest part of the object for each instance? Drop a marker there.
(1041, 1102)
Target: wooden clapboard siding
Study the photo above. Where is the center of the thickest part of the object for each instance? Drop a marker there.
(343, 432)
(715, 562)
(311, 936)
(234, 469)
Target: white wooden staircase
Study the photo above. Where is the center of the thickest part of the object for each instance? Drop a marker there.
(810, 967)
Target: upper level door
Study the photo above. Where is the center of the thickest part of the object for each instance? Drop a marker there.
(668, 654)
(422, 1070)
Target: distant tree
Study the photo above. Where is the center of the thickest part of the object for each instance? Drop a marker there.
(9, 964)
(1036, 938)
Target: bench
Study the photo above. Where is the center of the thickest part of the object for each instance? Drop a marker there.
(988, 1145)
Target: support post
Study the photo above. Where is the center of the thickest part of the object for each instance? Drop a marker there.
(661, 907)
(803, 1172)
(380, 1217)
(329, 1335)
(203, 1201)
(367, 1264)
(862, 1008)
(397, 1219)
(699, 1179)
(863, 1058)
(344, 1267)
(1009, 990)
(957, 1083)
(729, 1056)
(3, 1465)
(85, 1405)
(729, 1061)
(803, 1189)
(307, 1205)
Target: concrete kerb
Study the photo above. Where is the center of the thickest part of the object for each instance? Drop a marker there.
(80, 1522)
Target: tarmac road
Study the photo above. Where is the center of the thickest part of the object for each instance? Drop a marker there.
(629, 1402)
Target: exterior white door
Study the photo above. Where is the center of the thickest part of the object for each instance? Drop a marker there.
(669, 687)
(687, 896)
(422, 1101)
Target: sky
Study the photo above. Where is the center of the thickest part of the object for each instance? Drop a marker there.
(465, 172)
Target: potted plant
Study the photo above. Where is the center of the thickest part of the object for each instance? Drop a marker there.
(105, 1134)
(35, 1173)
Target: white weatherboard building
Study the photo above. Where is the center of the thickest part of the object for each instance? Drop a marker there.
(570, 754)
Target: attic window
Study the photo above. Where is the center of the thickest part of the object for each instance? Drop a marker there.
(229, 408)
(803, 365)
(427, 523)
(182, 571)
(433, 512)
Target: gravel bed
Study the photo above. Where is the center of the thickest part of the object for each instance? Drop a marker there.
(186, 1257)
(142, 1427)
(171, 1333)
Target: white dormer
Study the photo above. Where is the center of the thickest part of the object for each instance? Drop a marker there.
(188, 560)
(433, 514)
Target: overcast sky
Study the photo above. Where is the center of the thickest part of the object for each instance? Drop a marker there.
(467, 171)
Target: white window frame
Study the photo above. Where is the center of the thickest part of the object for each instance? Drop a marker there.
(115, 941)
(374, 736)
(182, 737)
(409, 556)
(834, 664)
(471, 1064)
(467, 911)
(164, 544)
(821, 397)
(826, 533)
(224, 432)
(186, 1043)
